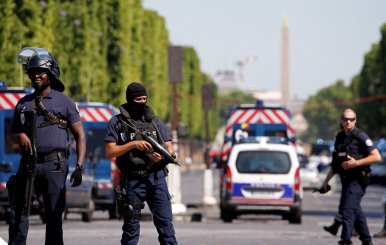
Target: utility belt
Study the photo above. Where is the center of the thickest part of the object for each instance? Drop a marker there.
(138, 174)
(363, 176)
(54, 156)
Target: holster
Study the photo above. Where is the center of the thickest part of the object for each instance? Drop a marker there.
(365, 178)
(125, 207)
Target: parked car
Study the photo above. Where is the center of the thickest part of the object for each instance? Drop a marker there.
(309, 174)
(262, 178)
(378, 173)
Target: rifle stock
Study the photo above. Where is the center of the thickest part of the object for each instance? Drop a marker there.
(30, 160)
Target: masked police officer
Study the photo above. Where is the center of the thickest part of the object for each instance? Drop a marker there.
(143, 169)
(353, 154)
(55, 114)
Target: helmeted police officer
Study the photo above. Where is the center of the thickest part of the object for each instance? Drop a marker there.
(143, 170)
(353, 154)
(55, 114)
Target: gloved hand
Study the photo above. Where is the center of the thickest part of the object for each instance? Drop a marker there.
(323, 189)
(76, 177)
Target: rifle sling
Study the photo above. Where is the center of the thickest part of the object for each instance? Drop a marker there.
(50, 117)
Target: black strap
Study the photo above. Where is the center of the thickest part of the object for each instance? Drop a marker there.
(50, 117)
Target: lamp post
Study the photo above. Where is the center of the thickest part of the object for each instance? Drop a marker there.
(208, 199)
(174, 177)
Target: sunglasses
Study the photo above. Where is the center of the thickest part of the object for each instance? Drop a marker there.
(346, 119)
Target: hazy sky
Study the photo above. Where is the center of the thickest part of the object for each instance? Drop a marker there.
(327, 39)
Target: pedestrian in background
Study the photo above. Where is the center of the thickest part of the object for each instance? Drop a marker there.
(143, 170)
(56, 113)
(353, 154)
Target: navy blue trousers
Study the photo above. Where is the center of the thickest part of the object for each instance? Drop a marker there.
(152, 189)
(50, 183)
(352, 214)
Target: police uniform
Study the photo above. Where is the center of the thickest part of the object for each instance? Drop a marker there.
(55, 113)
(52, 144)
(143, 180)
(358, 145)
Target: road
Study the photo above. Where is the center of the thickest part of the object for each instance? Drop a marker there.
(318, 210)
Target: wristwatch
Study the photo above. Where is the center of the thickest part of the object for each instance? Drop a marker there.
(80, 166)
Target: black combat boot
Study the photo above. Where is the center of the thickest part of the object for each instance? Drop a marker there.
(368, 243)
(344, 243)
(333, 229)
(382, 233)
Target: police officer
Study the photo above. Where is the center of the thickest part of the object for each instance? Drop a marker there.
(56, 113)
(143, 170)
(353, 154)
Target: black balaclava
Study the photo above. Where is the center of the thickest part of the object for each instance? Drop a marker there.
(135, 90)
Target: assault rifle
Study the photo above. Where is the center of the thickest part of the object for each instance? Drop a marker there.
(157, 147)
(30, 160)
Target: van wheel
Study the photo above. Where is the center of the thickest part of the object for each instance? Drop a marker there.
(113, 213)
(295, 217)
(87, 216)
(227, 216)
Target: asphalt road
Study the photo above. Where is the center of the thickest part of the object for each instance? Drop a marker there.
(318, 210)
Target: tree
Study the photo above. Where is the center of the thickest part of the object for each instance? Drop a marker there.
(370, 88)
(322, 111)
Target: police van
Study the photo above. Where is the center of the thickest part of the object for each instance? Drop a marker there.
(262, 176)
(102, 173)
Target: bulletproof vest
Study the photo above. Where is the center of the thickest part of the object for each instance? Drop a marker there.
(135, 159)
(349, 145)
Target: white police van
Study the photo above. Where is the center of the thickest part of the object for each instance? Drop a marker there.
(262, 176)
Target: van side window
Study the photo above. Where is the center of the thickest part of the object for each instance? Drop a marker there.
(11, 146)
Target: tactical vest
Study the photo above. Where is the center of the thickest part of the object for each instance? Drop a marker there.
(344, 147)
(135, 159)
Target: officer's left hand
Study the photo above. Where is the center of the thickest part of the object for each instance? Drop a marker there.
(156, 156)
(350, 163)
(76, 177)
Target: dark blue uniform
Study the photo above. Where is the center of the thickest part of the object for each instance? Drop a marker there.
(151, 188)
(358, 145)
(52, 144)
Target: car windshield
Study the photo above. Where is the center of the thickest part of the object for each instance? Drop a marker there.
(265, 162)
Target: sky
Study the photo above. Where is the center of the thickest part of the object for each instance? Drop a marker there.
(327, 39)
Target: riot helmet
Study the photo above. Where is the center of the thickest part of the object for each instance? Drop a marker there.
(39, 58)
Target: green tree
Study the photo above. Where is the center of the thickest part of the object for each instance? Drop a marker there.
(370, 88)
(11, 36)
(322, 111)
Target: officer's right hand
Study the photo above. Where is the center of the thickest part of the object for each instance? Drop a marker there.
(143, 146)
(25, 143)
(323, 189)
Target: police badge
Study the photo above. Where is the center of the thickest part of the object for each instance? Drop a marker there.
(22, 118)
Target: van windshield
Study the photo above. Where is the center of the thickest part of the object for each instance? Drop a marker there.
(264, 162)
(95, 142)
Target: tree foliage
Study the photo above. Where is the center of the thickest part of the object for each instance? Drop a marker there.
(322, 111)
(366, 94)
(101, 47)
